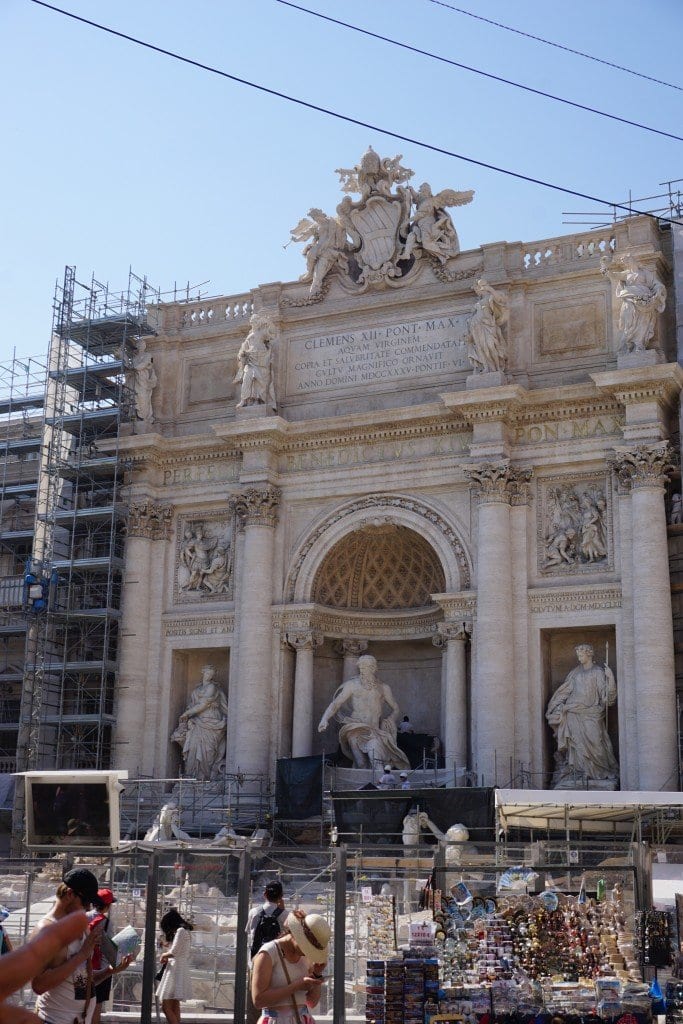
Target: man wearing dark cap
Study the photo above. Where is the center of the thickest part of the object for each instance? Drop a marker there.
(65, 988)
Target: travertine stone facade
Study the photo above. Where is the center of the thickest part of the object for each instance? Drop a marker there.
(364, 486)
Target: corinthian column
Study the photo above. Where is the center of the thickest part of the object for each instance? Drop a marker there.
(148, 522)
(351, 651)
(304, 643)
(644, 468)
(493, 685)
(253, 703)
(452, 638)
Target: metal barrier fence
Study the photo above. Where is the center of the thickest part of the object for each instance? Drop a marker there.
(369, 895)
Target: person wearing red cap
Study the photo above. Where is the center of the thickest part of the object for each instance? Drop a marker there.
(102, 904)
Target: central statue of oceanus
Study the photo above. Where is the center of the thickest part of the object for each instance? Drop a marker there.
(367, 734)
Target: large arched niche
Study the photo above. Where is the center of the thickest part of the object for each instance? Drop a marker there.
(383, 567)
(369, 569)
(379, 512)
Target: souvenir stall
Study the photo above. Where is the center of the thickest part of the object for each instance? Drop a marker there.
(558, 937)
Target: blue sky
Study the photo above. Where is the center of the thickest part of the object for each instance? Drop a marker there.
(117, 156)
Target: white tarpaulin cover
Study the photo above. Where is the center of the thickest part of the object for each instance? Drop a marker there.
(589, 810)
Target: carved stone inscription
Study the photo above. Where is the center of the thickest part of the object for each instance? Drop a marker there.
(362, 453)
(386, 355)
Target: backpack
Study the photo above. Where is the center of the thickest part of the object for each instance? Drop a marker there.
(267, 929)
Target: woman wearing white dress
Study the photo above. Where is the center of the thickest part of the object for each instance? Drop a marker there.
(287, 973)
(176, 983)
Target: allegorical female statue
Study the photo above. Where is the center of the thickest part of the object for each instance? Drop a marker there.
(642, 296)
(577, 714)
(486, 346)
(201, 730)
(254, 370)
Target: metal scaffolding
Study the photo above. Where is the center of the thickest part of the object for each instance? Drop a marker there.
(22, 396)
(76, 565)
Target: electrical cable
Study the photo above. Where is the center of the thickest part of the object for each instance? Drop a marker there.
(352, 120)
(559, 46)
(479, 71)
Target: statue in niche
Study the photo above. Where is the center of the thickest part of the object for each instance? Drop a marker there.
(642, 296)
(676, 510)
(577, 528)
(144, 381)
(255, 371)
(431, 226)
(577, 714)
(367, 736)
(201, 730)
(486, 346)
(326, 248)
(205, 561)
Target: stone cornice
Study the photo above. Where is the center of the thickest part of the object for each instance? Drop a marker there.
(459, 607)
(486, 404)
(660, 383)
(345, 623)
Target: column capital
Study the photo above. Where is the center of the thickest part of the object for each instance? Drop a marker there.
(644, 465)
(256, 506)
(498, 482)
(148, 518)
(449, 631)
(351, 648)
(304, 639)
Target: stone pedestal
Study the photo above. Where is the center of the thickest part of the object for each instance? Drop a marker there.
(491, 379)
(632, 360)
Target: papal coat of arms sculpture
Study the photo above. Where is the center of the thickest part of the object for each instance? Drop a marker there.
(379, 238)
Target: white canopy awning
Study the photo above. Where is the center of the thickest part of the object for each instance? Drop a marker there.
(588, 810)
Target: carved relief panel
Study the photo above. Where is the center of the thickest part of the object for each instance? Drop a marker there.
(574, 525)
(563, 329)
(204, 558)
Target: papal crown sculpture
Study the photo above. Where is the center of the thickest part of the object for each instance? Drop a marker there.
(378, 238)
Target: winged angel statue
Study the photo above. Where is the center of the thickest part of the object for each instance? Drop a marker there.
(377, 238)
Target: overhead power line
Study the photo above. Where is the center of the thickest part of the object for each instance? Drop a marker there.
(345, 117)
(479, 71)
(558, 46)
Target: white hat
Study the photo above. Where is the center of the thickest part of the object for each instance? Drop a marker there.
(312, 936)
(387, 767)
(403, 775)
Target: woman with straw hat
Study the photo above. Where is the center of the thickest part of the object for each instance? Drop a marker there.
(287, 973)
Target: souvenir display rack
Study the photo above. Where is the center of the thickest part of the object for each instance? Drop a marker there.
(516, 957)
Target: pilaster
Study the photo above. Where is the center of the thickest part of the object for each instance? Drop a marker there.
(256, 509)
(644, 470)
(148, 521)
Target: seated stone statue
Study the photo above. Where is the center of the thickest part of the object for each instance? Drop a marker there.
(367, 736)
